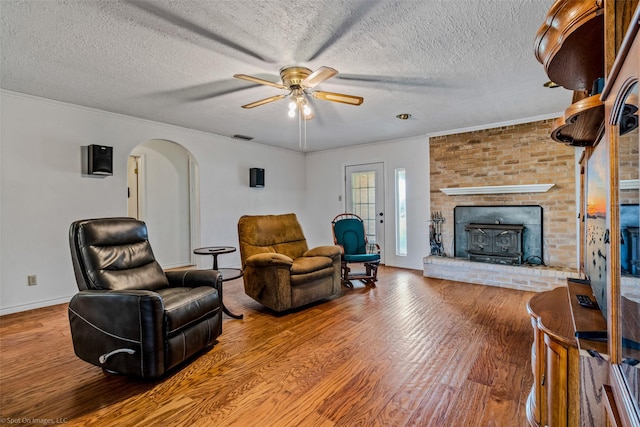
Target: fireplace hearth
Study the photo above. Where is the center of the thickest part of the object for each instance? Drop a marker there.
(510, 235)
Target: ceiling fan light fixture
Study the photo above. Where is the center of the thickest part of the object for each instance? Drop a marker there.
(297, 80)
(403, 116)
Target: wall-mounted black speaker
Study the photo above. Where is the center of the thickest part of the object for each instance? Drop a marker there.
(100, 160)
(256, 177)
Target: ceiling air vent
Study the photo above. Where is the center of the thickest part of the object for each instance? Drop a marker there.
(245, 137)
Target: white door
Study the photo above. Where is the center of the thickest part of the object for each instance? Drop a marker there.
(364, 196)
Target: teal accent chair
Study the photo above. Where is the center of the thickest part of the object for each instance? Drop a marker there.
(349, 234)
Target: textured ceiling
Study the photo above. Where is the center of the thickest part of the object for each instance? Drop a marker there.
(451, 64)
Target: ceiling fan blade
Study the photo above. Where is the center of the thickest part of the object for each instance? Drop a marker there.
(318, 76)
(260, 81)
(338, 97)
(264, 101)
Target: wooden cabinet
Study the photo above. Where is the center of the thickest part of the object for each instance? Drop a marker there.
(577, 44)
(622, 135)
(581, 41)
(559, 392)
(537, 401)
(554, 398)
(570, 45)
(568, 373)
(581, 124)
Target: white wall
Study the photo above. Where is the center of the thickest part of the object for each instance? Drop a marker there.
(326, 185)
(43, 189)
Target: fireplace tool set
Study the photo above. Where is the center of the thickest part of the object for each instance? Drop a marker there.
(435, 234)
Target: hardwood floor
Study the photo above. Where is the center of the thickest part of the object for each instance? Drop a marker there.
(411, 352)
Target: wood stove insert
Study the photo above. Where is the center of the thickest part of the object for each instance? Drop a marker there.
(528, 218)
(495, 243)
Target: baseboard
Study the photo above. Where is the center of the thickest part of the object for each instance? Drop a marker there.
(33, 305)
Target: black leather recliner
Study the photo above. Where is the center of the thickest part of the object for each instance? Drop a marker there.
(130, 316)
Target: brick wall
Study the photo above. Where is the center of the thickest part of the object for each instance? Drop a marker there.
(519, 154)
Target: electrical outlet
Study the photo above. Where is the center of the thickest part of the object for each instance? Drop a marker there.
(32, 280)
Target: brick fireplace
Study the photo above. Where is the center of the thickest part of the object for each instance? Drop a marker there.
(519, 154)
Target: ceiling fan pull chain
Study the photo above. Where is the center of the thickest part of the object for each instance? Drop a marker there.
(299, 129)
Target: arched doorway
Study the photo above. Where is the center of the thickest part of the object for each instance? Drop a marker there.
(162, 192)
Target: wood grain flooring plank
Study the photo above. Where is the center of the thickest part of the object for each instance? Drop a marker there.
(485, 366)
(433, 409)
(468, 408)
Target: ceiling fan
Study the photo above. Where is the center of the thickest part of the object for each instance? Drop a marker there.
(297, 80)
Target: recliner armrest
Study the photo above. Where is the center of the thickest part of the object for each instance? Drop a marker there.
(328, 251)
(269, 259)
(195, 278)
(120, 313)
(105, 322)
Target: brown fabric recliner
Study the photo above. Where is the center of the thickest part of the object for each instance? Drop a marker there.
(280, 271)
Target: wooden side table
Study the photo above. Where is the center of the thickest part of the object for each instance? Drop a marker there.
(226, 273)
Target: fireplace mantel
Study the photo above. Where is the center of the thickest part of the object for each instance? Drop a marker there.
(629, 184)
(497, 189)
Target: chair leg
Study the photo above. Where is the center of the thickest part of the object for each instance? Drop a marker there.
(345, 275)
(374, 267)
(372, 273)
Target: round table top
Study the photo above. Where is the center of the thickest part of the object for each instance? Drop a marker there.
(214, 250)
